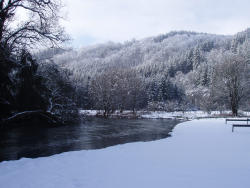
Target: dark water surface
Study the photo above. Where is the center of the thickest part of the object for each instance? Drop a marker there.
(95, 133)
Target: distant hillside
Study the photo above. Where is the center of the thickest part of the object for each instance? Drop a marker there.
(186, 59)
(150, 56)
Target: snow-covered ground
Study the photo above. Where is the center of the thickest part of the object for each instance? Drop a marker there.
(170, 115)
(88, 112)
(187, 114)
(201, 153)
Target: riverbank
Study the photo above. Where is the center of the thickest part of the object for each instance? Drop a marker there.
(186, 115)
(201, 153)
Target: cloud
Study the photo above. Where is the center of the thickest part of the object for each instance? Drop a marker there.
(121, 20)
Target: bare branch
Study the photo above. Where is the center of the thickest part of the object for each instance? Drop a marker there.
(41, 28)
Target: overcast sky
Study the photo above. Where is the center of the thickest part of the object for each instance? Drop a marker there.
(96, 21)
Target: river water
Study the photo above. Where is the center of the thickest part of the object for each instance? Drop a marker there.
(95, 133)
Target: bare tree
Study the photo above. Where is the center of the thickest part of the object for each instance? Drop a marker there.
(59, 93)
(41, 25)
(102, 91)
(231, 80)
(136, 90)
(117, 89)
(122, 89)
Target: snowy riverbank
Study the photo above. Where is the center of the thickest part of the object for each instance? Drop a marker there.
(164, 115)
(200, 153)
(189, 114)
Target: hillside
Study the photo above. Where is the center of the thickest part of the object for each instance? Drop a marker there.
(177, 66)
(149, 56)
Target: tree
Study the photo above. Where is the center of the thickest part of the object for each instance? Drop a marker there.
(29, 85)
(102, 92)
(7, 84)
(196, 58)
(136, 90)
(231, 80)
(117, 89)
(60, 91)
(41, 25)
(25, 86)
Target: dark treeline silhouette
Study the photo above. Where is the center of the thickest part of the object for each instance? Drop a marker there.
(31, 92)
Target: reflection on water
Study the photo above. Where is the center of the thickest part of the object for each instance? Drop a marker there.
(92, 134)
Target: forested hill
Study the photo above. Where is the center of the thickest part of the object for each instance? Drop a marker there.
(177, 66)
(150, 56)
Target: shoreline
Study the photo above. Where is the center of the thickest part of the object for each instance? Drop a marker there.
(187, 115)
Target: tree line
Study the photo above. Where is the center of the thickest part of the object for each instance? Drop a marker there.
(31, 90)
(177, 71)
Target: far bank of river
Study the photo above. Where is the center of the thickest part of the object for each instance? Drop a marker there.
(180, 115)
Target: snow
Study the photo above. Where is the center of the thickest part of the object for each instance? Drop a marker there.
(88, 112)
(21, 113)
(168, 115)
(201, 153)
(187, 114)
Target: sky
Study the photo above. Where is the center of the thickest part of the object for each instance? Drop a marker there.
(97, 21)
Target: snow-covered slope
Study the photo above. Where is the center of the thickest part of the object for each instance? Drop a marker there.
(201, 153)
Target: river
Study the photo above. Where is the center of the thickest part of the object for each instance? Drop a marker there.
(95, 133)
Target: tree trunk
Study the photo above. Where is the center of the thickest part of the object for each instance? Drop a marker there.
(235, 112)
(234, 108)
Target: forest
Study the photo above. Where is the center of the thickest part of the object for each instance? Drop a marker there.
(177, 71)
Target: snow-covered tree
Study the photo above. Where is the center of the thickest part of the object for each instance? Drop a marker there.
(231, 80)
